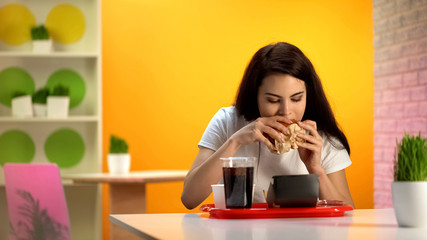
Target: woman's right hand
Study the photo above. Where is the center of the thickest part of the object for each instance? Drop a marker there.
(261, 129)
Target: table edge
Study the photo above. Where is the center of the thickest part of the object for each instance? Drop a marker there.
(175, 176)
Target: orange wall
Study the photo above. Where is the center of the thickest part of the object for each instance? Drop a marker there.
(168, 66)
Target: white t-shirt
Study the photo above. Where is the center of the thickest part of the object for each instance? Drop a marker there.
(227, 121)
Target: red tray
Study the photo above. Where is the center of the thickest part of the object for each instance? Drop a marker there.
(261, 210)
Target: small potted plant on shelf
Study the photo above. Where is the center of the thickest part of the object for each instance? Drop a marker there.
(21, 104)
(409, 189)
(119, 157)
(39, 102)
(40, 39)
(58, 102)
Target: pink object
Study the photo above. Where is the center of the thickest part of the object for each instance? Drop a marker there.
(36, 202)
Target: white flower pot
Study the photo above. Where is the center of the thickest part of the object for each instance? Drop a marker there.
(57, 107)
(39, 109)
(119, 164)
(42, 46)
(410, 203)
(22, 107)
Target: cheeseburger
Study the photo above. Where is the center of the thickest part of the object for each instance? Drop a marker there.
(290, 140)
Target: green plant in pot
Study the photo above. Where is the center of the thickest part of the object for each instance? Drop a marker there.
(21, 104)
(39, 33)
(18, 94)
(409, 189)
(118, 157)
(58, 102)
(40, 39)
(60, 91)
(39, 99)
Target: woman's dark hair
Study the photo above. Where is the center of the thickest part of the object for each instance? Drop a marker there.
(286, 58)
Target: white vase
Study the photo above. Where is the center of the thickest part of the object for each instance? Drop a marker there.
(119, 164)
(22, 107)
(39, 109)
(42, 46)
(57, 107)
(410, 203)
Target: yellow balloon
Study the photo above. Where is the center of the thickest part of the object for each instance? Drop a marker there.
(66, 23)
(16, 21)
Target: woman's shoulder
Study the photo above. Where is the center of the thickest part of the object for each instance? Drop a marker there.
(228, 118)
(229, 113)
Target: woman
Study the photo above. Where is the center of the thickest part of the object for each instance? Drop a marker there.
(279, 85)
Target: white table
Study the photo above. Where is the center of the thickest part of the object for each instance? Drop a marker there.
(127, 192)
(360, 224)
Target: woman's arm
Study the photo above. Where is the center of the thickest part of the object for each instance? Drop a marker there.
(207, 167)
(333, 186)
(206, 170)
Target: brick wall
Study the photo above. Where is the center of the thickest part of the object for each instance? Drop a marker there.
(400, 70)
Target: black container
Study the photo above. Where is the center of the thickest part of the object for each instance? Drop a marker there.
(289, 191)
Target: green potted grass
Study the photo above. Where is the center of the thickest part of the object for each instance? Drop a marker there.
(40, 39)
(409, 189)
(39, 100)
(58, 102)
(21, 104)
(118, 157)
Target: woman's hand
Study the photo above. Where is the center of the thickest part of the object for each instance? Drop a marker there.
(260, 130)
(310, 151)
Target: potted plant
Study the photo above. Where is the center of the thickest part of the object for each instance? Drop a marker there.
(39, 102)
(58, 102)
(118, 158)
(40, 39)
(409, 189)
(21, 104)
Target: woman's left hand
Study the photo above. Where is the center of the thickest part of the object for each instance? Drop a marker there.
(310, 151)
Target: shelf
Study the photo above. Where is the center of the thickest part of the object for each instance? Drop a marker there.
(75, 142)
(65, 183)
(50, 55)
(47, 120)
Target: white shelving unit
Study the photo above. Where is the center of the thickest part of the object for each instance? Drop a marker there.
(50, 120)
(51, 55)
(83, 57)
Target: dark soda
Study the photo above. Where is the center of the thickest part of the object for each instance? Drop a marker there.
(238, 184)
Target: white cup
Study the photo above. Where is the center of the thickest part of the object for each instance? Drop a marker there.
(219, 196)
